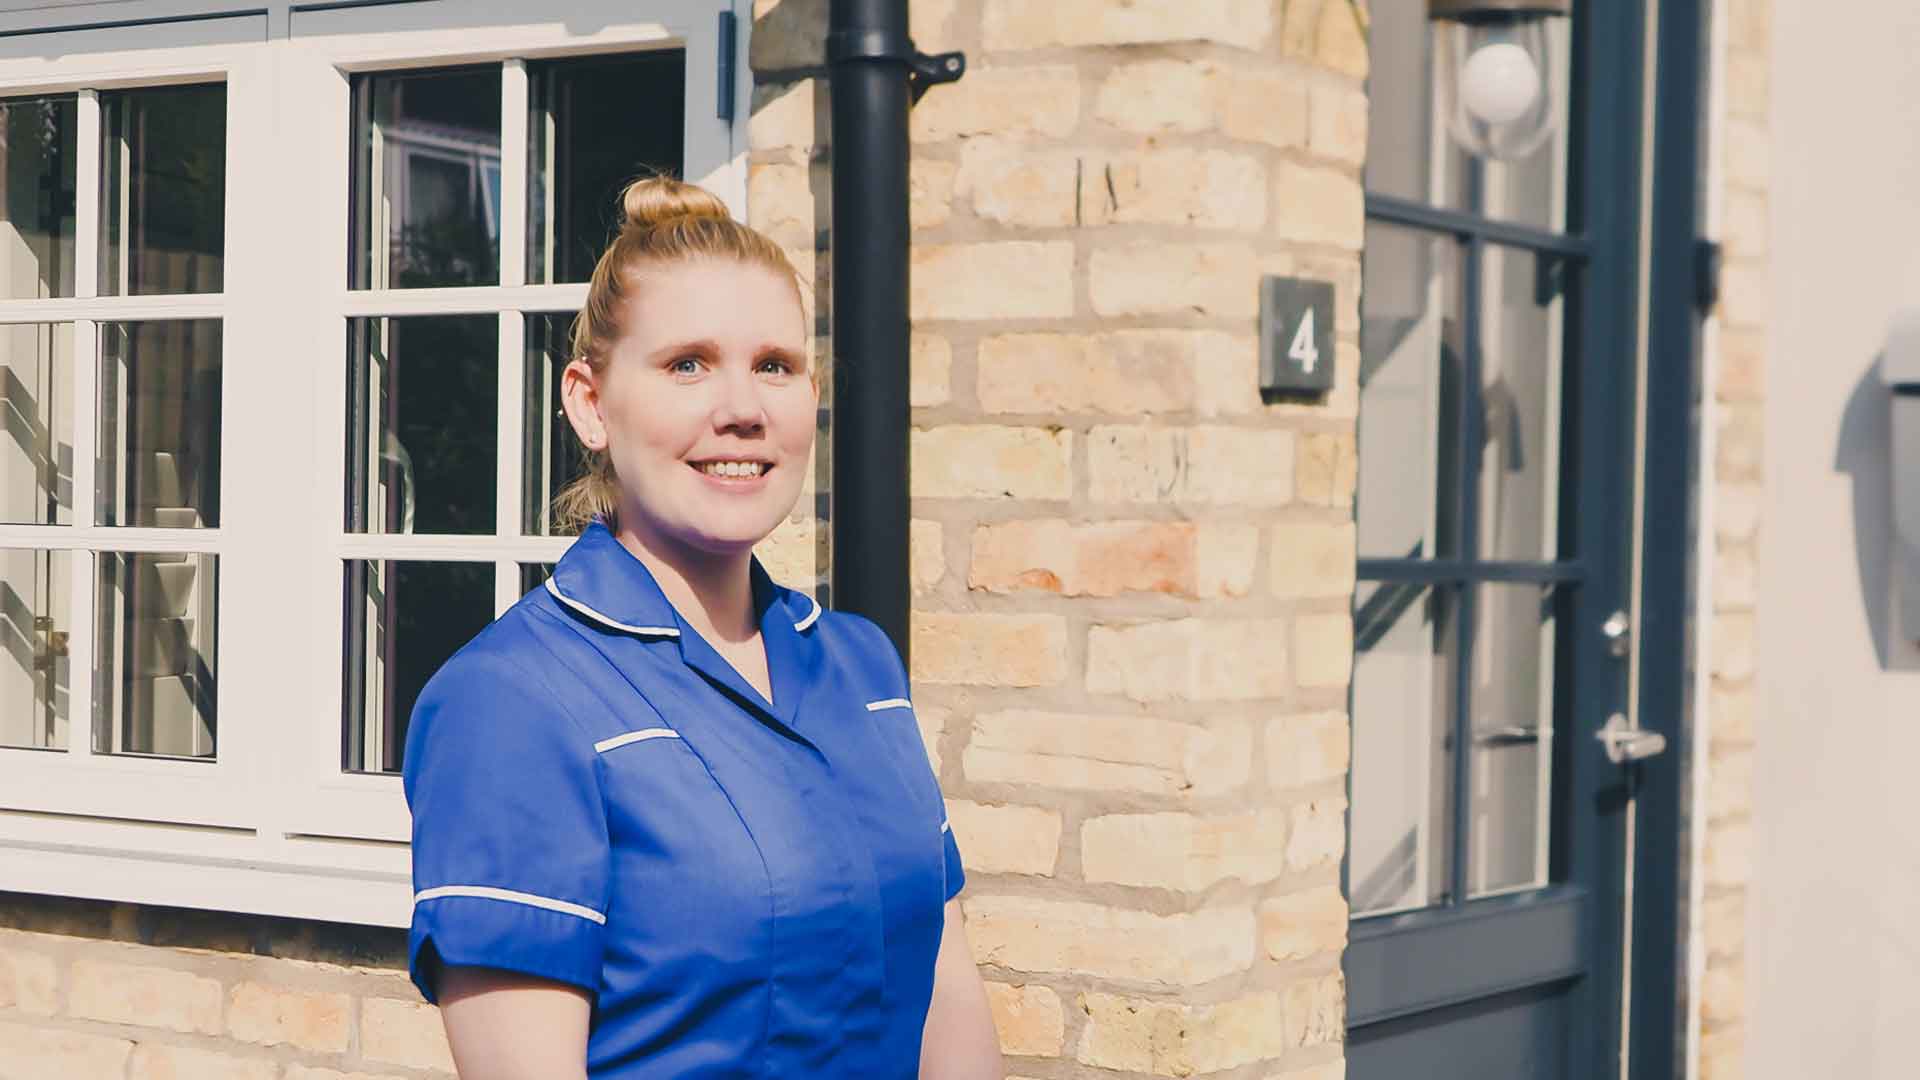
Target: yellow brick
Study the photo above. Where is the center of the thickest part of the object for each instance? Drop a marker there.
(1125, 373)
(1732, 645)
(1745, 227)
(1741, 451)
(930, 193)
(791, 553)
(1735, 587)
(1107, 753)
(1112, 558)
(304, 1072)
(1326, 1070)
(1190, 659)
(145, 996)
(931, 22)
(1317, 1011)
(1024, 24)
(1313, 560)
(1005, 839)
(1736, 511)
(405, 1033)
(783, 203)
(1028, 934)
(927, 554)
(1723, 1054)
(1010, 183)
(1305, 924)
(1323, 650)
(1176, 279)
(1338, 123)
(1749, 85)
(1741, 368)
(33, 1052)
(1749, 155)
(1326, 32)
(1723, 925)
(784, 117)
(989, 650)
(1014, 280)
(1170, 1039)
(154, 1062)
(1309, 749)
(1730, 709)
(933, 726)
(1750, 26)
(1205, 189)
(27, 981)
(1328, 469)
(1318, 205)
(1155, 96)
(1029, 1019)
(1316, 834)
(1225, 466)
(1185, 852)
(788, 34)
(1729, 856)
(1723, 997)
(272, 1016)
(983, 462)
(930, 381)
(1746, 298)
(1267, 105)
(1000, 101)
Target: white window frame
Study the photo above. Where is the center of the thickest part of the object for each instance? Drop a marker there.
(273, 825)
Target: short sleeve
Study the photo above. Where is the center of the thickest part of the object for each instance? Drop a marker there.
(956, 873)
(510, 853)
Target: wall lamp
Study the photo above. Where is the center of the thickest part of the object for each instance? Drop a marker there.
(1496, 78)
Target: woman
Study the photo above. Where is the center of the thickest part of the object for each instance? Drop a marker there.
(669, 818)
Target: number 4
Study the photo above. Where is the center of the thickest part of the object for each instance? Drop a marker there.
(1302, 348)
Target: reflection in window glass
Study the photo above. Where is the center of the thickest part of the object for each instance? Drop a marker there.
(1512, 699)
(552, 456)
(37, 189)
(36, 424)
(36, 614)
(426, 189)
(595, 124)
(404, 620)
(159, 464)
(422, 414)
(534, 576)
(1401, 821)
(154, 669)
(1520, 330)
(1410, 367)
(163, 189)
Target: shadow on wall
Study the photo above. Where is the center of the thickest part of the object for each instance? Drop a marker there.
(1865, 452)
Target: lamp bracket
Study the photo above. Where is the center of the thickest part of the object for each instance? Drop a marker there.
(1481, 10)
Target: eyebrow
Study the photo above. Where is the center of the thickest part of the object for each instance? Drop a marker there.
(710, 347)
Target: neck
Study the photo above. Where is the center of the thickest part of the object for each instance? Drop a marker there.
(712, 591)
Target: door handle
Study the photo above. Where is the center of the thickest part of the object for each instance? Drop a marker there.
(1628, 744)
(1506, 736)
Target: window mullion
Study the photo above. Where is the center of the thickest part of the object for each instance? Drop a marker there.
(507, 458)
(513, 174)
(84, 564)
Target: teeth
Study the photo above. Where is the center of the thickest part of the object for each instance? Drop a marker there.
(734, 469)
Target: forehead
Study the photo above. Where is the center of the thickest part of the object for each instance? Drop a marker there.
(721, 300)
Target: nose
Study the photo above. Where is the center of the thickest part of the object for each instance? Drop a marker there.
(737, 407)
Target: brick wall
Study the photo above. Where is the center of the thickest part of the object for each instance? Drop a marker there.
(1742, 142)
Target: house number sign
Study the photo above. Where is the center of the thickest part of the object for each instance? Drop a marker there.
(1296, 336)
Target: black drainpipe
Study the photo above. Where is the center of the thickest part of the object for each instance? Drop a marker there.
(876, 76)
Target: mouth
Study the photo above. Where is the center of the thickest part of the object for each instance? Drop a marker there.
(732, 470)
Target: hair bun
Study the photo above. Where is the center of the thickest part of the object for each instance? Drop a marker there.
(646, 203)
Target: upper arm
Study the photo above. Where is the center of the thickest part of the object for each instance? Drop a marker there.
(960, 1042)
(506, 1026)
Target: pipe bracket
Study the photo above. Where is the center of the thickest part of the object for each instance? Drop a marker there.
(924, 70)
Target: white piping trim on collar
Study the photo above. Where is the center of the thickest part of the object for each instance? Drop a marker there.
(488, 892)
(642, 735)
(811, 616)
(890, 703)
(648, 631)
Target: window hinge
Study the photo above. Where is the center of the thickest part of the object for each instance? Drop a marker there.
(1708, 256)
(729, 46)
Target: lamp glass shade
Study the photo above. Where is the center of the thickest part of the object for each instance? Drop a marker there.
(1496, 84)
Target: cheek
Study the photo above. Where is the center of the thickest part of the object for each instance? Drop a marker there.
(797, 421)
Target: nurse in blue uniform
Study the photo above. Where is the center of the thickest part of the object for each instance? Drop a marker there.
(671, 819)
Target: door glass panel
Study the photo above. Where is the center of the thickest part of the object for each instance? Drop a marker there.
(534, 576)
(1401, 820)
(37, 196)
(159, 446)
(422, 409)
(154, 668)
(1512, 764)
(552, 456)
(404, 620)
(596, 123)
(1410, 343)
(163, 190)
(1520, 344)
(36, 424)
(426, 178)
(1411, 156)
(36, 614)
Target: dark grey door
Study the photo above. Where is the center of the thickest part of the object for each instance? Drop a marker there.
(1488, 862)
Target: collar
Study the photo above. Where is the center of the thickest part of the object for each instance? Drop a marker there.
(598, 578)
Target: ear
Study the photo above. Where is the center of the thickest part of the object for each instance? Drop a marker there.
(580, 396)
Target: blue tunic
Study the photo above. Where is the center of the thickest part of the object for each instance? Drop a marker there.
(746, 888)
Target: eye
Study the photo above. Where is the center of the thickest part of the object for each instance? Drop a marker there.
(776, 365)
(685, 365)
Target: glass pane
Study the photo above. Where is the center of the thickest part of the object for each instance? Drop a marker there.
(552, 455)
(1411, 156)
(1401, 820)
(596, 123)
(1411, 361)
(37, 189)
(36, 413)
(154, 669)
(422, 416)
(534, 575)
(426, 178)
(1520, 343)
(159, 422)
(1513, 737)
(36, 613)
(404, 620)
(163, 190)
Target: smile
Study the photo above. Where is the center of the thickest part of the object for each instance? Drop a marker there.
(733, 470)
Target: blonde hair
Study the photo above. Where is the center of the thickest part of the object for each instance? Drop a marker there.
(662, 221)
